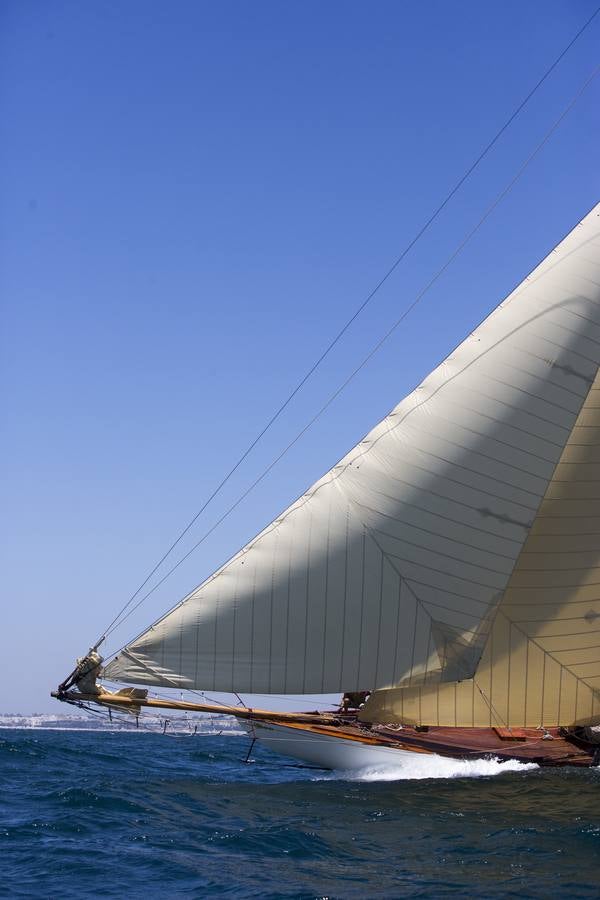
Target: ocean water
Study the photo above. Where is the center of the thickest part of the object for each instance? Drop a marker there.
(139, 815)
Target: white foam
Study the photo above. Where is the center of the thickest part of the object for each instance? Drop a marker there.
(435, 767)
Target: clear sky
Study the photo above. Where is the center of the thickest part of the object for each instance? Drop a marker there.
(194, 197)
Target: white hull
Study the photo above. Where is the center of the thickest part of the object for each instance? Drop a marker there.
(328, 752)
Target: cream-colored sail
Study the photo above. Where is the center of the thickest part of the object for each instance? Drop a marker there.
(541, 664)
(389, 570)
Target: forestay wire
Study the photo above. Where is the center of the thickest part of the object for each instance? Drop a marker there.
(121, 617)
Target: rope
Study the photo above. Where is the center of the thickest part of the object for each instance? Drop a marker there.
(501, 722)
(368, 357)
(355, 315)
(126, 720)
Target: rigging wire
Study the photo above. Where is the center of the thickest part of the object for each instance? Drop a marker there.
(373, 350)
(124, 720)
(350, 321)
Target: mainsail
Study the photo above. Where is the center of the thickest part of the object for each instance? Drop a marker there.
(397, 568)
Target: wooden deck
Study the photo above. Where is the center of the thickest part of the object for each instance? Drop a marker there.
(546, 748)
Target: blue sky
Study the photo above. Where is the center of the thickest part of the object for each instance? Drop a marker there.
(193, 198)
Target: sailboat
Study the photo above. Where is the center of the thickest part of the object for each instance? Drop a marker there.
(444, 575)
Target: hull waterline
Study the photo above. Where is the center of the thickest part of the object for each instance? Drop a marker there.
(330, 751)
(351, 748)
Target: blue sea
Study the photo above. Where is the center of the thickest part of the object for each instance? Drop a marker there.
(141, 815)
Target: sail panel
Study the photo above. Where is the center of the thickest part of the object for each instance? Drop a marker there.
(389, 570)
(541, 663)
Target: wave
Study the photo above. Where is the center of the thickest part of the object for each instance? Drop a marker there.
(434, 767)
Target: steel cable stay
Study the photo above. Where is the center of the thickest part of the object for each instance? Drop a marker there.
(123, 617)
(131, 720)
(128, 717)
(117, 620)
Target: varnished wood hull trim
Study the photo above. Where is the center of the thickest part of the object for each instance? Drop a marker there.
(353, 748)
(332, 751)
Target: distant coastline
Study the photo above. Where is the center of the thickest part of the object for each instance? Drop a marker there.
(192, 725)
